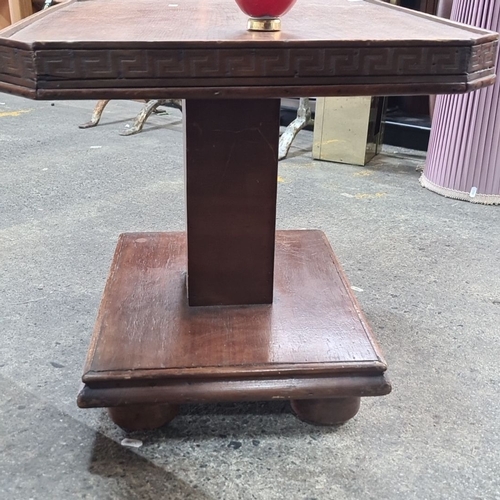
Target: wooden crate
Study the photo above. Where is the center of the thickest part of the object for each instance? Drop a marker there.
(12, 11)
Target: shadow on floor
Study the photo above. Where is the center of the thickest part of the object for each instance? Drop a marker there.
(134, 476)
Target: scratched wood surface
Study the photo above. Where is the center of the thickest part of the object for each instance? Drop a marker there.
(146, 330)
(201, 49)
(231, 164)
(203, 21)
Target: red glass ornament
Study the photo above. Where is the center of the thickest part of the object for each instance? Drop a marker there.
(265, 8)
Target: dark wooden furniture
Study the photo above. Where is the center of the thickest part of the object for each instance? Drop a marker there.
(229, 310)
(408, 120)
(428, 6)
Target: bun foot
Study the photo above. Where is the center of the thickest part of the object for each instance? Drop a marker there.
(334, 411)
(142, 417)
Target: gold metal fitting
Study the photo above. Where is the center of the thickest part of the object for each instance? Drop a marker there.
(264, 24)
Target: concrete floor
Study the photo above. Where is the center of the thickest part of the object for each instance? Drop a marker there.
(426, 270)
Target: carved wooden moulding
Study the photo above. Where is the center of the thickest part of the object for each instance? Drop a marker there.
(201, 48)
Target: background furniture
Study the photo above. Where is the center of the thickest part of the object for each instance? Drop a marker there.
(150, 107)
(408, 121)
(12, 11)
(463, 161)
(232, 310)
(348, 129)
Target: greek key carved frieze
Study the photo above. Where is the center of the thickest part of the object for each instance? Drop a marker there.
(483, 56)
(16, 63)
(297, 62)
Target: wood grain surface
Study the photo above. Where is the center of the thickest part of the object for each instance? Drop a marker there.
(204, 21)
(146, 330)
(201, 49)
(231, 159)
(299, 386)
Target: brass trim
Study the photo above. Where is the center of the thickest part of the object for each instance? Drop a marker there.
(264, 24)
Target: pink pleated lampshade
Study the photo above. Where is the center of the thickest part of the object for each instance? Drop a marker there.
(463, 159)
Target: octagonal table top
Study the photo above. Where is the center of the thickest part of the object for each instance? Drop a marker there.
(103, 49)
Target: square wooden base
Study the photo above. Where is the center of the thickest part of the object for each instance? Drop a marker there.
(150, 347)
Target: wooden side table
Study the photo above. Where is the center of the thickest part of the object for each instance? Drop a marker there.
(232, 310)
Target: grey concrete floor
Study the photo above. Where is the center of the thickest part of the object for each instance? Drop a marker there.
(427, 274)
